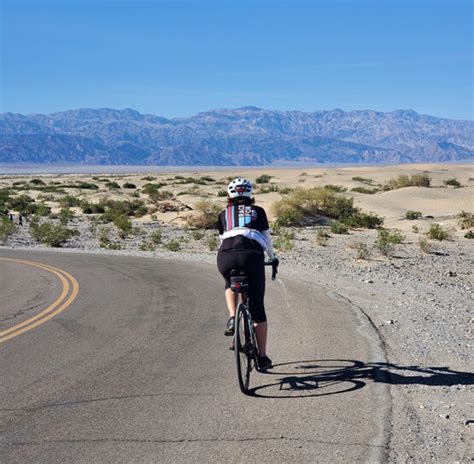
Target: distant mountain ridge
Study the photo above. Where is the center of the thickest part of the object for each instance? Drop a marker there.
(241, 136)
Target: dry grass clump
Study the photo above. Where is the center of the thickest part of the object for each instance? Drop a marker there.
(412, 215)
(361, 249)
(425, 245)
(303, 206)
(465, 220)
(321, 237)
(363, 180)
(402, 181)
(205, 215)
(438, 232)
(263, 179)
(386, 239)
(308, 206)
(285, 241)
(365, 190)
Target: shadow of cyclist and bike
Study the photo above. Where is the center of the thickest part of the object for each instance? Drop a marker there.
(314, 378)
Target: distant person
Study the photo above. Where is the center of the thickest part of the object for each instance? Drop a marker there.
(20, 219)
(10, 216)
(245, 236)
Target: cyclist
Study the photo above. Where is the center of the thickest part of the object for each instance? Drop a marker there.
(245, 236)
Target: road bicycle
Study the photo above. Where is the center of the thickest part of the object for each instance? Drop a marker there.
(245, 341)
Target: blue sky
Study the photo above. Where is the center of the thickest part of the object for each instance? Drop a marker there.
(176, 58)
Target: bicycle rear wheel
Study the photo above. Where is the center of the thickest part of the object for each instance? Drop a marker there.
(243, 348)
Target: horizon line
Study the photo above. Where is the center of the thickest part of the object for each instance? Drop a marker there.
(234, 109)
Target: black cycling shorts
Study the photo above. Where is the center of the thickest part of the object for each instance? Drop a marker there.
(254, 264)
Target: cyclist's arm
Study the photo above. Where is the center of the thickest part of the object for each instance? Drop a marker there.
(268, 238)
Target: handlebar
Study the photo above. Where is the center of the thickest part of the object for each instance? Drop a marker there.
(274, 264)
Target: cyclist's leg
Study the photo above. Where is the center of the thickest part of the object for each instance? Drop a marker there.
(261, 331)
(256, 273)
(231, 301)
(225, 263)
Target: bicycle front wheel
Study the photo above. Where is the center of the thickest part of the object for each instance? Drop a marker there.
(243, 348)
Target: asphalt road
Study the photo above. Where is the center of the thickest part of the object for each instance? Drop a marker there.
(136, 369)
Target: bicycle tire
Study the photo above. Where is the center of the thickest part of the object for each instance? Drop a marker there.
(243, 348)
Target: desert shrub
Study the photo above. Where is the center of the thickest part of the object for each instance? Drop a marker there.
(339, 228)
(37, 182)
(205, 215)
(360, 220)
(105, 242)
(129, 185)
(147, 246)
(361, 249)
(149, 178)
(412, 215)
(84, 185)
(191, 180)
(222, 193)
(386, 239)
(156, 236)
(212, 243)
(469, 234)
(303, 206)
(363, 180)
(197, 234)
(437, 232)
(453, 182)
(123, 224)
(465, 220)
(425, 245)
(272, 188)
(4, 199)
(40, 209)
(7, 228)
(112, 185)
(46, 197)
(54, 235)
(208, 179)
(92, 208)
(160, 195)
(150, 188)
(194, 190)
(263, 179)
(285, 241)
(368, 191)
(416, 180)
(335, 188)
(69, 201)
(24, 204)
(173, 245)
(65, 215)
(135, 208)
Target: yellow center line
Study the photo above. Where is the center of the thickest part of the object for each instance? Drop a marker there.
(53, 309)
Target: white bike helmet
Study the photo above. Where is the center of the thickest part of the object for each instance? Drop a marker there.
(240, 188)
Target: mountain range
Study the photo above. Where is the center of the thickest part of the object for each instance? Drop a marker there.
(241, 136)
